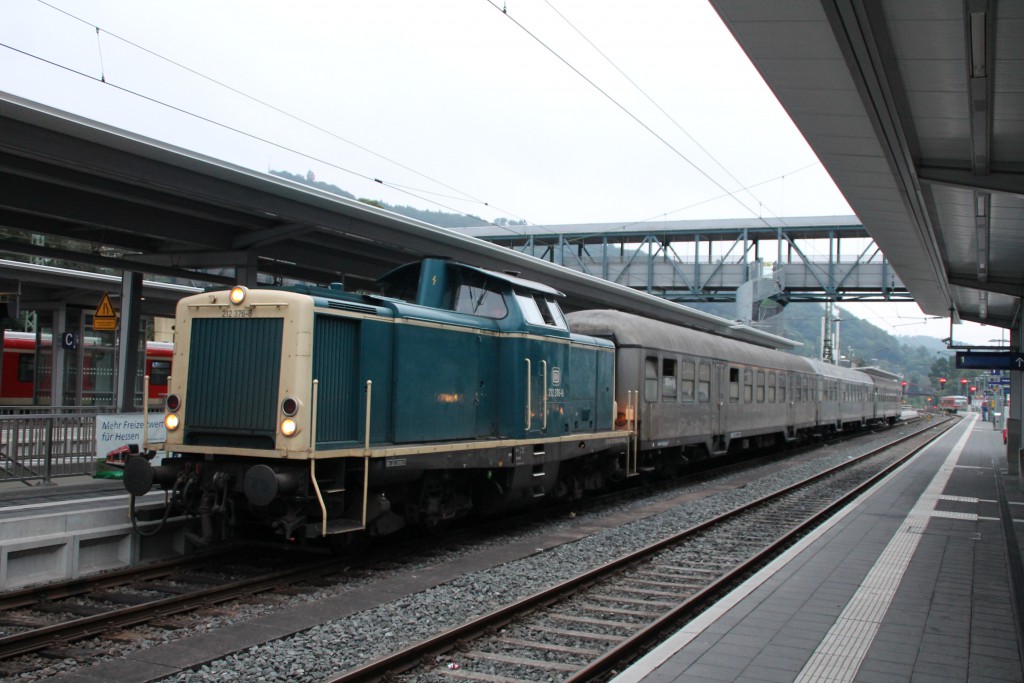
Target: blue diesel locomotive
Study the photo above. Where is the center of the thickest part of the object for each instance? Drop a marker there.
(318, 413)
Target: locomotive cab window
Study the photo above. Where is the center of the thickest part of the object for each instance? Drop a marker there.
(540, 311)
(478, 299)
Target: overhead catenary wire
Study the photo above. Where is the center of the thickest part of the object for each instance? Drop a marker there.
(463, 196)
(659, 107)
(621, 106)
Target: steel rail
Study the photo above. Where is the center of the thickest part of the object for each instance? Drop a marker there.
(84, 627)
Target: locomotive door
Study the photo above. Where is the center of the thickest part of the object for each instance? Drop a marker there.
(545, 386)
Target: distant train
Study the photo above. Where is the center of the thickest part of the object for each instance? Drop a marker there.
(953, 404)
(316, 413)
(25, 368)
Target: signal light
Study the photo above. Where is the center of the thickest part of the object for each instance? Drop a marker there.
(290, 406)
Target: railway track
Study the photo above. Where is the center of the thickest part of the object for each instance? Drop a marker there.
(48, 618)
(586, 628)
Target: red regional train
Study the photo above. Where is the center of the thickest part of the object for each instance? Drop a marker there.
(21, 363)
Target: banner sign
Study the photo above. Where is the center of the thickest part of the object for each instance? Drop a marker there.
(125, 429)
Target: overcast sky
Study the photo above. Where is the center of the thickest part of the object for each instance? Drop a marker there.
(567, 111)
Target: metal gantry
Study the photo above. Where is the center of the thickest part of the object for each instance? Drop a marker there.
(710, 260)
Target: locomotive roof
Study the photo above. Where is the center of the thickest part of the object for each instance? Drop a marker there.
(515, 281)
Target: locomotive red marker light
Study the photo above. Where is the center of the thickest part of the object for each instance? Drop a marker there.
(238, 294)
(173, 402)
(290, 406)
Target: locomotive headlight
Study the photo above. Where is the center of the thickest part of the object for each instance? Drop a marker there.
(238, 294)
(289, 427)
(172, 421)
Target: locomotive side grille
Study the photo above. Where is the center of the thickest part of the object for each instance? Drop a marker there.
(347, 306)
(336, 366)
(233, 375)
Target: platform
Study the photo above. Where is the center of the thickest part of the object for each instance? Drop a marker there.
(75, 527)
(919, 579)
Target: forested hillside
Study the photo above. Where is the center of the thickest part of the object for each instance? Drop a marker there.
(439, 218)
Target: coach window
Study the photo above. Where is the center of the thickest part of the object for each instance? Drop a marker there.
(760, 386)
(668, 380)
(704, 383)
(748, 386)
(686, 381)
(26, 367)
(734, 385)
(782, 387)
(771, 387)
(159, 372)
(651, 379)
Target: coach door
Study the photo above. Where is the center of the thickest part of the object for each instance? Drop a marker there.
(719, 397)
(787, 391)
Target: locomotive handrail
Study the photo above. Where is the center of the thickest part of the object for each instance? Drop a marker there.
(369, 407)
(145, 411)
(528, 397)
(544, 395)
(366, 455)
(275, 304)
(631, 445)
(312, 460)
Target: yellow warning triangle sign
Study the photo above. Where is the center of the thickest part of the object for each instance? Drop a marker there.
(105, 309)
(105, 319)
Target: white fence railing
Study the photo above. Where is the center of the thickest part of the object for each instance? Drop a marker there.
(43, 445)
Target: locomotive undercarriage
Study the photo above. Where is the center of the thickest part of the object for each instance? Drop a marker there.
(227, 498)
